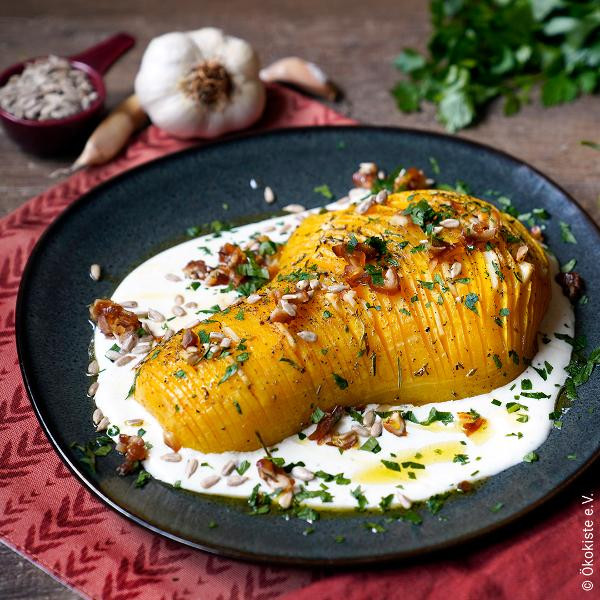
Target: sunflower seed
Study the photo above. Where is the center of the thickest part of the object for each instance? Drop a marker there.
(364, 206)
(253, 298)
(142, 349)
(134, 422)
(362, 431)
(191, 305)
(209, 481)
(288, 307)
(381, 197)
(302, 285)
(93, 389)
(95, 272)
(522, 252)
(228, 468)
(129, 342)
(285, 499)
(93, 368)
(103, 424)
(302, 473)
(171, 457)
(455, 270)
(225, 342)
(179, 299)
(172, 277)
(307, 336)
(450, 223)
(112, 355)
(168, 334)
(314, 284)
(129, 304)
(178, 311)
(97, 416)
(235, 480)
(190, 467)
(269, 195)
(369, 417)
(156, 316)
(404, 501)
(293, 208)
(124, 360)
(337, 287)
(376, 429)
(216, 335)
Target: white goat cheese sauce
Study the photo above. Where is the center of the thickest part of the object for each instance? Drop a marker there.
(436, 457)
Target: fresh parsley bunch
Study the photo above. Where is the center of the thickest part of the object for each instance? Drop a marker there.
(483, 49)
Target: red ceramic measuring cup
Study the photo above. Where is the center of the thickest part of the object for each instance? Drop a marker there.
(57, 136)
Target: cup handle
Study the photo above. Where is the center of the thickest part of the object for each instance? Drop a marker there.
(101, 56)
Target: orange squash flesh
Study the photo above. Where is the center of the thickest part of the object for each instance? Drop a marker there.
(435, 339)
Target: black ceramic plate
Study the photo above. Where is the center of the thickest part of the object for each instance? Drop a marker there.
(129, 218)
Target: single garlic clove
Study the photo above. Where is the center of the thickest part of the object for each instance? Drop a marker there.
(303, 74)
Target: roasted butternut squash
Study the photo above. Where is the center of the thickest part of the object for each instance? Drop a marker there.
(424, 297)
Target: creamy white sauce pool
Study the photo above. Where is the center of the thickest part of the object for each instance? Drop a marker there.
(506, 440)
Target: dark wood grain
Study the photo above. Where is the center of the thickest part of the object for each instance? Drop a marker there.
(352, 40)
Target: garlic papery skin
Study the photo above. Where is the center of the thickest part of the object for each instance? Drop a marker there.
(200, 83)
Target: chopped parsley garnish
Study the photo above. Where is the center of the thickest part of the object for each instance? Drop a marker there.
(496, 507)
(463, 459)
(391, 465)
(471, 300)
(237, 406)
(376, 274)
(229, 371)
(531, 457)
(142, 479)
(292, 363)
(409, 464)
(566, 234)
(434, 415)
(317, 415)
(569, 266)
(374, 527)
(180, 374)
(326, 314)
(371, 445)
(324, 191)
(360, 498)
(340, 381)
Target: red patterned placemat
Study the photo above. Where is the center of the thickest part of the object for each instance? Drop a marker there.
(45, 514)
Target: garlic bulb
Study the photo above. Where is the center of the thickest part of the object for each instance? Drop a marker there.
(200, 83)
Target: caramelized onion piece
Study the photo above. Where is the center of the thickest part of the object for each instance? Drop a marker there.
(395, 424)
(325, 426)
(344, 441)
(112, 318)
(471, 423)
(275, 477)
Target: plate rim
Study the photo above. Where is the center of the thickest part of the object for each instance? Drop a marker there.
(227, 551)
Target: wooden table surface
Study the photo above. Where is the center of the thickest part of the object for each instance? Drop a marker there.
(352, 40)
